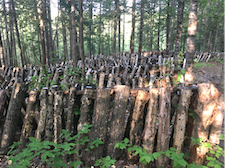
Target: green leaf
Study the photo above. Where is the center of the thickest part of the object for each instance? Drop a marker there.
(182, 162)
(167, 153)
(43, 157)
(156, 155)
(126, 140)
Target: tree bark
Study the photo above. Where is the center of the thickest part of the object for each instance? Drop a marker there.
(216, 36)
(149, 131)
(207, 100)
(90, 26)
(115, 26)
(179, 31)
(209, 42)
(7, 36)
(13, 115)
(141, 30)
(159, 25)
(132, 28)
(18, 36)
(82, 39)
(100, 124)
(181, 119)
(43, 113)
(167, 27)
(119, 15)
(2, 52)
(65, 50)
(164, 125)
(29, 118)
(117, 121)
(74, 45)
(192, 25)
(42, 34)
(99, 29)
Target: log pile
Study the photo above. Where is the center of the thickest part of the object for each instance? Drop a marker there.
(129, 96)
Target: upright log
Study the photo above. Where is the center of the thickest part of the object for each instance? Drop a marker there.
(84, 119)
(137, 117)
(13, 115)
(149, 131)
(181, 119)
(43, 113)
(100, 124)
(164, 125)
(70, 115)
(57, 115)
(49, 116)
(117, 121)
(29, 118)
(207, 100)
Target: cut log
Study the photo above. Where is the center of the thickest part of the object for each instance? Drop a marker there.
(149, 131)
(207, 100)
(49, 117)
(101, 80)
(13, 115)
(84, 119)
(29, 119)
(117, 121)
(137, 117)
(217, 123)
(43, 113)
(181, 119)
(100, 125)
(164, 125)
(57, 115)
(70, 114)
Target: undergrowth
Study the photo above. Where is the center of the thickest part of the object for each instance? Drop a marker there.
(51, 154)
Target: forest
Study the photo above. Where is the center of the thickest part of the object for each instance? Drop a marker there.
(112, 83)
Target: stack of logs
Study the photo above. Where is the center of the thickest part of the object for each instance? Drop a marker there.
(133, 99)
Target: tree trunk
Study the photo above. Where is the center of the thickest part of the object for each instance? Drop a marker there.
(209, 42)
(192, 25)
(115, 26)
(173, 6)
(164, 125)
(141, 30)
(216, 36)
(167, 27)
(13, 115)
(179, 31)
(47, 43)
(99, 29)
(159, 25)
(74, 46)
(132, 28)
(117, 121)
(7, 36)
(42, 34)
(18, 36)
(65, 51)
(205, 36)
(49, 116)
(90, 26)
(51, 43)
(119, 14)
(123, 32)
(12, 37)
(2, 52)
(82, 39)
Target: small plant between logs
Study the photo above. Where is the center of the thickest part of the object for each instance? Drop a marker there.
(143, 113)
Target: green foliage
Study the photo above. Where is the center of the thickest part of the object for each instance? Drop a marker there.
(105, 162)
(51, 153)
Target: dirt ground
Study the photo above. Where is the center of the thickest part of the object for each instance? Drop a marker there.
(211, 72)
